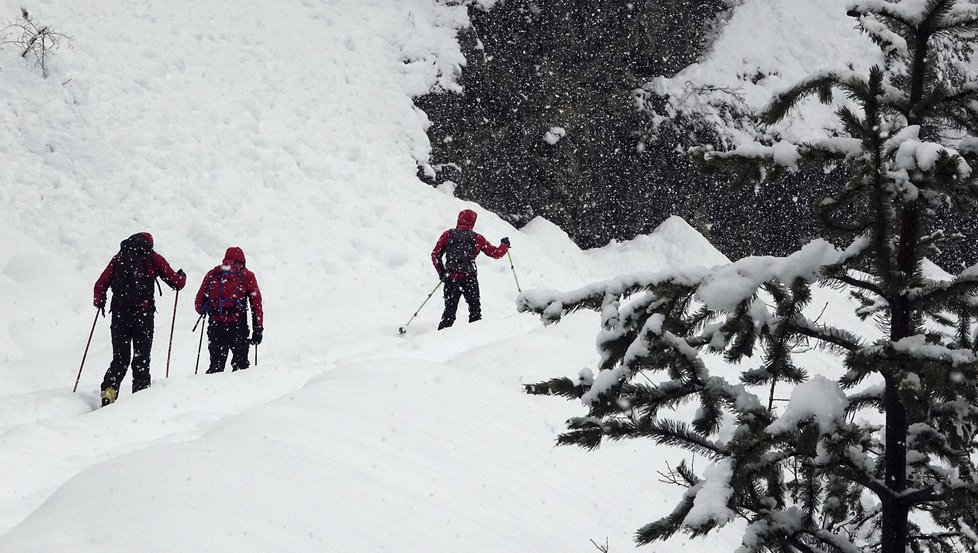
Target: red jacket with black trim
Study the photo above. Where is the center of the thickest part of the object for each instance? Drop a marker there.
(466, 221)
(228, 289)
(159, 268)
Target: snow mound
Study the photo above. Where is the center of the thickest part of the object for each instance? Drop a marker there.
(672, 241)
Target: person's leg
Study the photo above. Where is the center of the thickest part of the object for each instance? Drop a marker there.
(452, 294)
(121, 329)
(240, 345)
(142, 346)
(217, 347)
(470, 288)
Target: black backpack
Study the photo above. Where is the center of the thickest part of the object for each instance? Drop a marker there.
(459, 251)
(133, 275)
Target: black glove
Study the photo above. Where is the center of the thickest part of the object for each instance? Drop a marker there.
(99, 303)
(444, 276)
(256, 335)
(181, 273)
(505, 241)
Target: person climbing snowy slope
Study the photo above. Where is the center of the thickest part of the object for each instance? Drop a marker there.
(224, 296)
(130, 275)
(460, 246)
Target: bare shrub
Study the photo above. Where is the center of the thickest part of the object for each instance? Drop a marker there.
(36, 43)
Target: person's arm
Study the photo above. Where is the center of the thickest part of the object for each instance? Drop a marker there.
(200, 302)
(436, 253)
(485, 247)
(254, 297)
(257, 315)
(175, 279)
(102, 284)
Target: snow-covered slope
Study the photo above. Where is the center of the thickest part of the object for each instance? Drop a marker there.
(285, 128)
(767, 46)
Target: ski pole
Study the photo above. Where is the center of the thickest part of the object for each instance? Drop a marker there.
(84, 355)
(256, 355)
(518, 289)
(173, 324)
(201, 342)
(403, 329)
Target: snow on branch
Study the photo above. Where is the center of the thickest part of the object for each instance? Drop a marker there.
(890, 41)
(552, 305)
(912, 154)
(960, 16)
(918, 347)
(968, 145)
(938, 293)
(727, 286)
(820, 399)
(711, 497)
(721, 288)
(779, 524)
(910, 13)
(785, 154)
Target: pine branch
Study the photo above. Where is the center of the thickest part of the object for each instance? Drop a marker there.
(872, 397)
(857, 474)
(801, 546)
(587, 438)
(936, 10)
(665, 527)
(674, 433)
(940, 294)
(563, 387)
(650, 399)
(861, 284)
(784, 102)
(837, 337)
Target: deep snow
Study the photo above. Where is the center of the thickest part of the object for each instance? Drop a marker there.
(287, 128)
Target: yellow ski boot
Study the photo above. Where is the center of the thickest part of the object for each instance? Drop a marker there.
(109, 395)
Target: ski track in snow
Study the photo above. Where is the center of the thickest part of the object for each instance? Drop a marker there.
(286, 128)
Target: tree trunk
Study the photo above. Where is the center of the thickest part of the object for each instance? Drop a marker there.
(902, 325)
(895, 514)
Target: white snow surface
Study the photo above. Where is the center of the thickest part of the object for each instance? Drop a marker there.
(287, 128)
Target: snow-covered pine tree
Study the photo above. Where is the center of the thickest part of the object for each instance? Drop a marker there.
(819, 475)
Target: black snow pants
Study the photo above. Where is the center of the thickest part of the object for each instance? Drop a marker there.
(221, 338)
(132, 335)
(455, 289)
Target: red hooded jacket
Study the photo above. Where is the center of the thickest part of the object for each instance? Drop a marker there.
(158, 266)
(227, 289)
(466, 221)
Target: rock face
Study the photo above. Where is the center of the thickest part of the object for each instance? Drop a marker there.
(557, 119)
(548, 123)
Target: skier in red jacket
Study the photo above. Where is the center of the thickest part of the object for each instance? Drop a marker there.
(131, 275)
(224, 296)
(460, 246)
